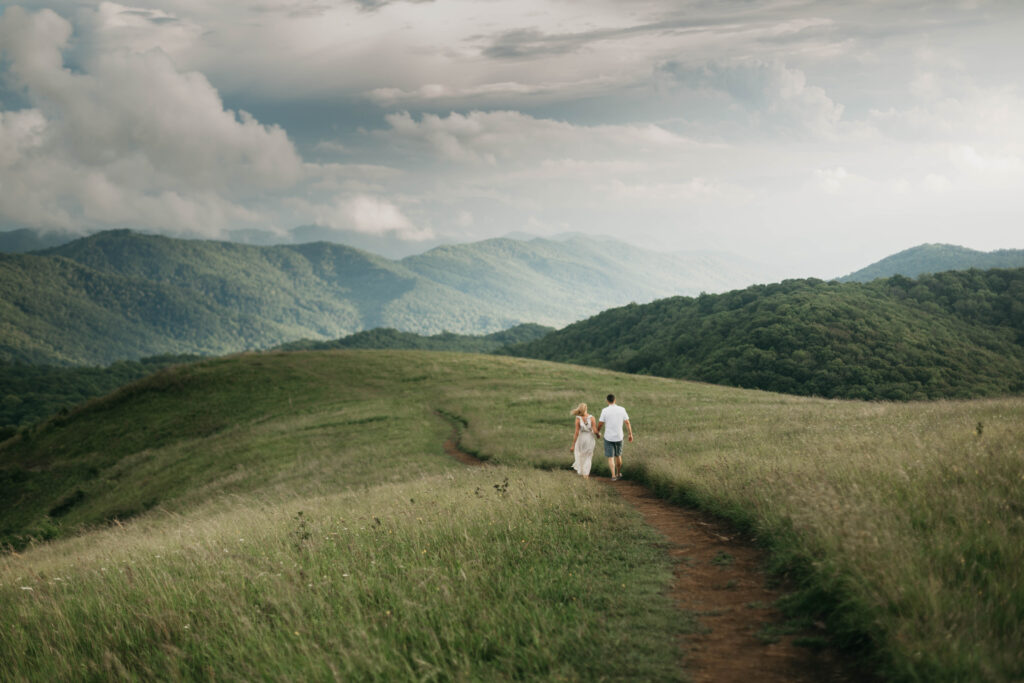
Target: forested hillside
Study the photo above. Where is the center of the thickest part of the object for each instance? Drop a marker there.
(389, 338)
(954, 334)
(936, 258)
(120, 295)
(29, 393)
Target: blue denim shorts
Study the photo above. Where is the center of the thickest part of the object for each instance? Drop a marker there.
(612, 449)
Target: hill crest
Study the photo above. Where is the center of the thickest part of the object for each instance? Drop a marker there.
(936, 258)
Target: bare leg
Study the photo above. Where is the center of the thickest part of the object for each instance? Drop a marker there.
(618, 466)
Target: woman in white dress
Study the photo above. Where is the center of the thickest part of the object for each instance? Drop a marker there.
(583, 439)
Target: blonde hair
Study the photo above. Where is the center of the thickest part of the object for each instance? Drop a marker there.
(581, 409)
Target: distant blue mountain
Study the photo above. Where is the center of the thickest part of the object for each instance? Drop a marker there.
(936, 258)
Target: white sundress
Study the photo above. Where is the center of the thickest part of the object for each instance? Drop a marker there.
(584, 450)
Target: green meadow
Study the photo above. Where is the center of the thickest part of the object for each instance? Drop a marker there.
(294, 516)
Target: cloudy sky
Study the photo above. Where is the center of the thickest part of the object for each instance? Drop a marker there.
(816, 135)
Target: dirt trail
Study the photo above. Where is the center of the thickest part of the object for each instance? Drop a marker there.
(451, 447)
(719, 578)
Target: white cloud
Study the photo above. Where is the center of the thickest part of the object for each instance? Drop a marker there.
(936, 182)
(691, 190)
(768, 125)
(129, 141)
(512, 136)
(830, 180)
(499, 91)
(369, 215)
(968, 157)
(773, 95)
(112, 26)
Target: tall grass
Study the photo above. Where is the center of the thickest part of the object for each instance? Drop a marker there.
(902, 523)
(318, 531)
(482, 574)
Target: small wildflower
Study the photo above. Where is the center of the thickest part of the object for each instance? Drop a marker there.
(27, 588)
(345, 575)
(187, 627)
(296, 633)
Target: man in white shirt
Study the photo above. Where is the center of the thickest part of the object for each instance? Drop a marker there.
(613, 417)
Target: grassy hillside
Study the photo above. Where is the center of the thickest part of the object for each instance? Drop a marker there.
(120, 295)
(937, 258)
(304, 523)
(29, 393)
(902, 523)
(951, 335)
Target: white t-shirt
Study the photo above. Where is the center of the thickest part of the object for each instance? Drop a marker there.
(613, 416)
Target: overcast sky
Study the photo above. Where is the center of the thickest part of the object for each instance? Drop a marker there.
(817, 135)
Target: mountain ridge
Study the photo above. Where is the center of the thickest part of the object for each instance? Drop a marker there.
(121, 294)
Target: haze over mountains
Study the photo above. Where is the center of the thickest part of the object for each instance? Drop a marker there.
(120, 294)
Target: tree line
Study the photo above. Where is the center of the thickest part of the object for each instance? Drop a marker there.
(950, 335)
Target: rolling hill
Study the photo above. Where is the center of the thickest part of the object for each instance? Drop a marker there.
(293, 516)
(120, 295)
(31, 392)
(955, 334)
(936, 258)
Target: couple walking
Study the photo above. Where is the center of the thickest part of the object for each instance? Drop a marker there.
(588, 430)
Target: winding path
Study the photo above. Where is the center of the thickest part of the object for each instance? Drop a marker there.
(741, 636)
